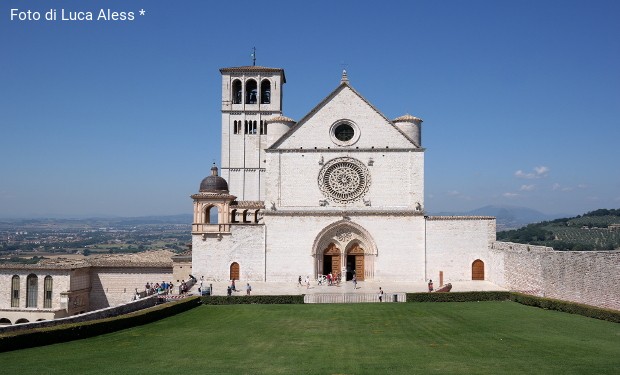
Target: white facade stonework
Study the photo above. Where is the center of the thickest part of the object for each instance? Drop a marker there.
(341, 191)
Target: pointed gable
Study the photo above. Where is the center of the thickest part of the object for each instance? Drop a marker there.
(344, 105)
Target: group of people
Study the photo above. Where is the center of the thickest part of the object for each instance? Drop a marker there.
(163, 288)
(233, 288)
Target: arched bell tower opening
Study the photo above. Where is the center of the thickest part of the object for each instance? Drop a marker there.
(345, 248)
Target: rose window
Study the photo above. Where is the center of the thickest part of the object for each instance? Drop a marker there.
(344, 180)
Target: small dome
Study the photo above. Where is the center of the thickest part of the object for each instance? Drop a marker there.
(214, 183)
(407, 118)
(283, 119)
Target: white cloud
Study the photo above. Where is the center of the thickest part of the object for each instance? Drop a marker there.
(539, 172)
(594, 199)
(454, 193)
(527, 187)
(582, 186)
(510, 195)
(558, 187)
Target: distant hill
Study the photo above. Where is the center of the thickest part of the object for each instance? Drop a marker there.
(508, 217)
(595, 230)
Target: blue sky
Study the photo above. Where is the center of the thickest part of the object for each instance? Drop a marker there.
(520, 99)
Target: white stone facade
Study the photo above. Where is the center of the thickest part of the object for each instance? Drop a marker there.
(340, 191)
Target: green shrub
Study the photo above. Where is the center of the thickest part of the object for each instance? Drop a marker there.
(261, 300)
(74, 331)
(457, 297)
(565, 306)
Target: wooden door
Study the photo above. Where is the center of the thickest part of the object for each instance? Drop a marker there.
(358, 252)
(359, 267)
(234, 271)
(477, 270)
(334, 252)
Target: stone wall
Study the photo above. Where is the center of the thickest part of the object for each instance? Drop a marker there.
(588, 277)
(245, 245)
(112, 286)
(453, 243)
(93, 315)
(60, 284)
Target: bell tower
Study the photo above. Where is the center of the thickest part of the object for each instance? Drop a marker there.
(250, 96)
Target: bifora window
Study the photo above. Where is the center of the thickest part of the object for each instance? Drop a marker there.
(344, 132)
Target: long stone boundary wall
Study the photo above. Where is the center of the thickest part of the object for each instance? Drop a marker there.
(109, 312)
(588, 277)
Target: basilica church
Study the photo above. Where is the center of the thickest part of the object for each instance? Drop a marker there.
(338, 191)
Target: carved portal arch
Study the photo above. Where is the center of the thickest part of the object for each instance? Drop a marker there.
(345, 248)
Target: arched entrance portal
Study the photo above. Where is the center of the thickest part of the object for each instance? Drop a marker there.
(345, 248)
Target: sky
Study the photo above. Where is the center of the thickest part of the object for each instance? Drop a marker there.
(520, 99)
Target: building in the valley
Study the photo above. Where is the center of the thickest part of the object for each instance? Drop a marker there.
(340, 191)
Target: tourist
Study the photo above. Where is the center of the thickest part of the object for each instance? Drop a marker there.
(248, 289)
(307, 282)
(380, 294)
(354, 281)
(232, 286)
(229, 291)
(299, 280)
(430, 285)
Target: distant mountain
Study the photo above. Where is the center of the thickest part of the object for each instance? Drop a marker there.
(508, 217)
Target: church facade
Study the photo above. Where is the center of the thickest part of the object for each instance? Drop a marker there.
(340, 191)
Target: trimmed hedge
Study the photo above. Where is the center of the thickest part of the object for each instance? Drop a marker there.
(565, 306)
(261, 300)
(458, 297)
(75, 331)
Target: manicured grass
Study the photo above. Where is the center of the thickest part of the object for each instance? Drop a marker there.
(405, 338)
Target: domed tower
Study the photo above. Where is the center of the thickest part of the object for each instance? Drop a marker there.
(250, 96)
(212, 206)
(411, 126)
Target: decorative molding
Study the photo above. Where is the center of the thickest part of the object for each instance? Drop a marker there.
(341, 150)
(438, 218)
(344, 213)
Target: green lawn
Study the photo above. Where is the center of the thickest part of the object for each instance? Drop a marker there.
(405, 338)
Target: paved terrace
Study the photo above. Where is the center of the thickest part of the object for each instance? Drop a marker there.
(363, 287)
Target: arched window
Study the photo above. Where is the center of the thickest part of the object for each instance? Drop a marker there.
(247, 127)
(477, 270)
(245, 216)
(251, 92)
(32, 283)
(233, 216)
(5, 322)
(22, 320)
(256, 216)
(235, 129)
(211, 215)
(263, 127)
(47, 292)
(15, 291)
(234, 271)
(236, 92)
(265, 92)
(254, 127)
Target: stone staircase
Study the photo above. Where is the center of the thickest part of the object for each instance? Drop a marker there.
(353, 297)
